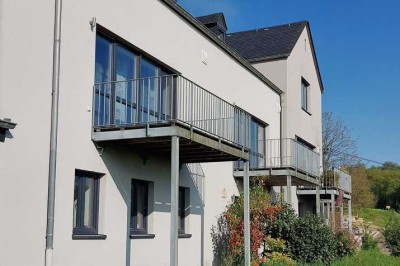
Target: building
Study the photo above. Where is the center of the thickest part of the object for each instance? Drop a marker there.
(126, 93)
(285, 54)
(157, 119)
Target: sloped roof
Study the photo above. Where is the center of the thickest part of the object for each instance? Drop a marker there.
(216, 18)
(271, 43)
(266, 43)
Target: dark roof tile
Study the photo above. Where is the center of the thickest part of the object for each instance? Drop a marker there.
(266, 43)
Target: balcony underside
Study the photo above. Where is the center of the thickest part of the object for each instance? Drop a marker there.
(277, 176)
(195, 145)
(322, 191)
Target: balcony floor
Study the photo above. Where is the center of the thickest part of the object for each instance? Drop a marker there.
(195, 145)
(277, 176)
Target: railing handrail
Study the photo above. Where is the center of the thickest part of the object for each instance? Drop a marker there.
(167, 98)
(294, 140)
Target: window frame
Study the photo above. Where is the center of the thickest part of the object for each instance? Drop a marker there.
(182, 205)
(133, 225)
(304, 95)
(79, 228)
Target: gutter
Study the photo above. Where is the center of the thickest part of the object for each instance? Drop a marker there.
(231, 52)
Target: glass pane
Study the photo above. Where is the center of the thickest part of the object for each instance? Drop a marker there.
(125, 94)
(181, 210)
(148, 90)
(89, 199)
(141, 208)
(76, 192)
(102, 74)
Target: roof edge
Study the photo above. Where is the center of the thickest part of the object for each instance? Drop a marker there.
(315, 57)
(204, 30)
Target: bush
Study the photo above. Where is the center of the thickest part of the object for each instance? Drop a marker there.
(276, 252)
(392, 236)
(368, 242)
(345, 244)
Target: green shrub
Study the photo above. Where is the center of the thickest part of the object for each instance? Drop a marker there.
(345, 244)
(307, 238)
(368, 242)
(392, 236)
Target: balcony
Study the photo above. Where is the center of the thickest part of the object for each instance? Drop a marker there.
(334, 181)
(144, 113)
(283, 158)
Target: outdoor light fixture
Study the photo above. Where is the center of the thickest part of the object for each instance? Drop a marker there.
(5, 126)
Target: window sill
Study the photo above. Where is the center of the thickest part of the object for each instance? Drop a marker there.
(184, 235)
(306, 111)
(142, 236)
(88, 237)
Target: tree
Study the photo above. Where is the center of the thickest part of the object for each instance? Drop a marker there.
(338, 145)
(362, 196)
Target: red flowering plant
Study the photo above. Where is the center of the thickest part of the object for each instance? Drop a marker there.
(262, 215)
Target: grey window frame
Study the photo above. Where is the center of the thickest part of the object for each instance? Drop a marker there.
(305, 90)
(133, 226)
(80, 229)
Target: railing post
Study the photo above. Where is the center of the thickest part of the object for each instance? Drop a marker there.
(317, 199)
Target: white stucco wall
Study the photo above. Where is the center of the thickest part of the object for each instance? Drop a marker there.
(301, 64)
(25, 87)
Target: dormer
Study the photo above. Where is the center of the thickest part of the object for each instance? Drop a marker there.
(215, 23)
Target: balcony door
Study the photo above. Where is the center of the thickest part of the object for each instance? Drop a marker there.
(129, 88)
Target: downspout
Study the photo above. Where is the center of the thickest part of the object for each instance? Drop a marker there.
(53, 134)
(281, 132)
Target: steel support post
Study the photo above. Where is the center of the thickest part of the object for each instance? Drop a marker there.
(289, 190)
(317, 200)
(349, 216)
(174, 200)
(246, 186)
(333, 208)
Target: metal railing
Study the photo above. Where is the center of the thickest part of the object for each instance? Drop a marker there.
(292, 154)
(337, 179)
(169, 98)
(287, 153)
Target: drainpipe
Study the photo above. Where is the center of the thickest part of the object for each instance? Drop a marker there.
(53, 135)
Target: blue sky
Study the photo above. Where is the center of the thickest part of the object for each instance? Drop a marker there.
(358, 50)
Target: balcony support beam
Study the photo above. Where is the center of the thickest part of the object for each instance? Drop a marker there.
(317, 200)
(174, 200)
(289, 190)
(349, 217)
(246, 186)
(333, 209)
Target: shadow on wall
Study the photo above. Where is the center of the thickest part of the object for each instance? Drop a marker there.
(125, 165)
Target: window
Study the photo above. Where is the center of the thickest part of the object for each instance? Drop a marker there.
(183, 206)
(257, 145)
(139, 207)
(86, 203)
(129, 87)
(304, 95)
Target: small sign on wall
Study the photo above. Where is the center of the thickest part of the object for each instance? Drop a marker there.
(223, 193)
(204, 57)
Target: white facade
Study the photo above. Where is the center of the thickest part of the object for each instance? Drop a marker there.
(26, 34)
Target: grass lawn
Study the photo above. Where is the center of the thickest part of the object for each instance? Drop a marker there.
(368, 258)
(377, 217)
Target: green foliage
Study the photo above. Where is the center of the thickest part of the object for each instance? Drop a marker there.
(368, 258)
(392, 235)
(368, 242)
(227, 235)
(276, 252)
(386, 185)
(362, 195)
(377, 217)
(307, 238)
(346, 245)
